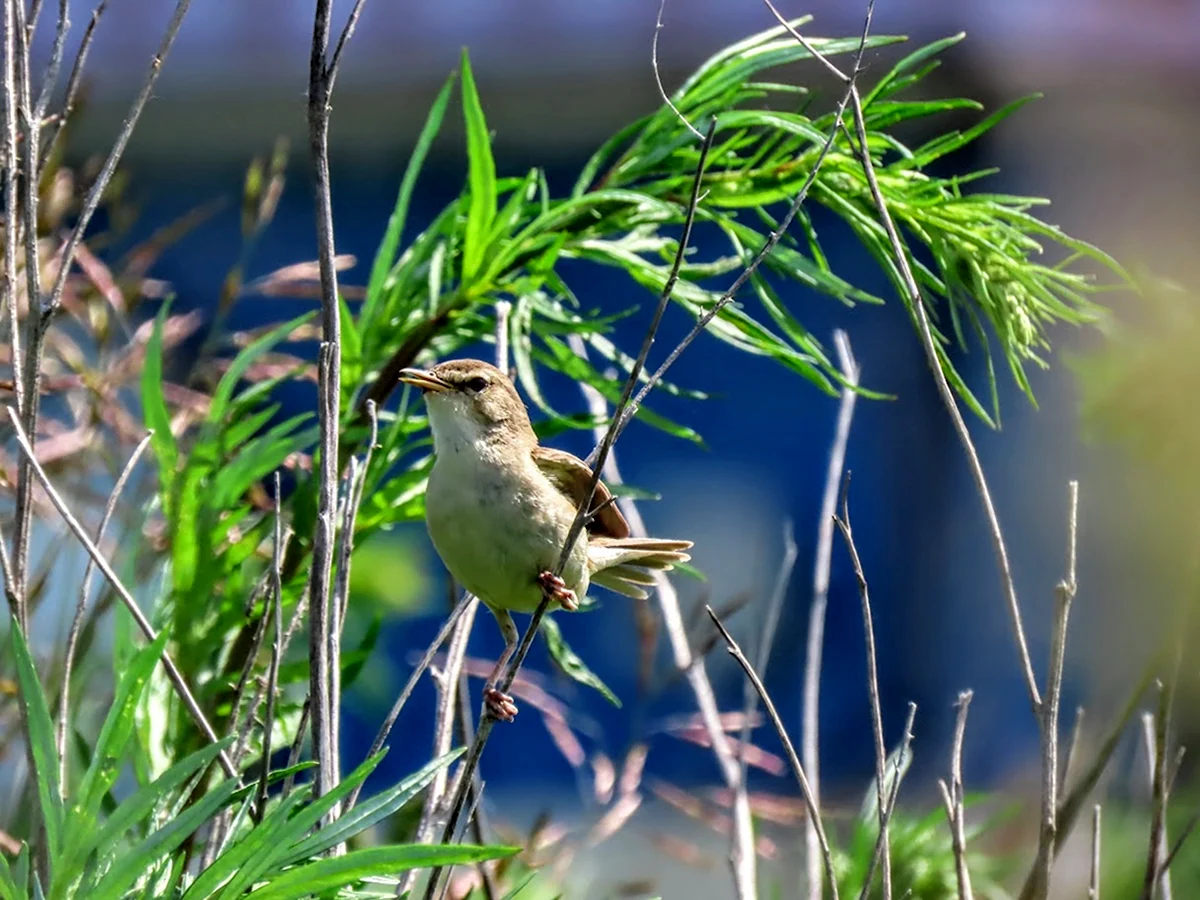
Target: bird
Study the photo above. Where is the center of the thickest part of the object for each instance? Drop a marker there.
(499, 506)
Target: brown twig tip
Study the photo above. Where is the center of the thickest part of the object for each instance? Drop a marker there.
(790, 751)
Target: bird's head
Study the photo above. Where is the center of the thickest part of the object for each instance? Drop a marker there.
(471, 403)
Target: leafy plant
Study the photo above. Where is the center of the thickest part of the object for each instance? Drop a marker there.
(102, 845)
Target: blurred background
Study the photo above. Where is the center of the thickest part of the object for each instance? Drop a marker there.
(1113, 143)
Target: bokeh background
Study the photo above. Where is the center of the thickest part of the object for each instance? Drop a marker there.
(1113, 143)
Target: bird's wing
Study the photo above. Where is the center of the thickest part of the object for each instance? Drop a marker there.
(571, 475)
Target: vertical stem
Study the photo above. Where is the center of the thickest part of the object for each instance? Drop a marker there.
(324, 704)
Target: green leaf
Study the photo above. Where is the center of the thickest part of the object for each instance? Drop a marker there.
(9, 889)
(129, 866)
(260, 851)
(109, 752)
(229, 381)
(352, 350)
(371, 811)
(913, 61)
(329, 874)
(135, 809)
(41, 739)
(154, 408)
(570, 663)
(481, 178)
(386, 254)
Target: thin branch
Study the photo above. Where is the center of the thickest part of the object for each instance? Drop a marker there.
(42, 309)
(50, 79)
(811, 714)
(394, 713)
(64, 702)
(276, 648)
(324, 703)
(945, 392)
(625, 415)
(100, 185)
(31, 135)
(1094, 870)
(903, 758)
(1072, 805)
(331, 71)
(598, 457)
(448, 682)
(953, 798)
(797, 769)
(74, 80)
(658, 26)
(479, 826)
(1048, 718)
(8, 185)
(767, 640)
(843, 524)
(1184, 834)
(1155, 730)
(742, 854)
(173, 673)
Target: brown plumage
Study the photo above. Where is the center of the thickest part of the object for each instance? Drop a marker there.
(499, 507)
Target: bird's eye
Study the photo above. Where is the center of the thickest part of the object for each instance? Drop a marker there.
(476, 384)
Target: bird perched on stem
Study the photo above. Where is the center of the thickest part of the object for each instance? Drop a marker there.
(499, 508)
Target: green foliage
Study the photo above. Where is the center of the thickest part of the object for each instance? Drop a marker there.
(107, 848)
(219, 438)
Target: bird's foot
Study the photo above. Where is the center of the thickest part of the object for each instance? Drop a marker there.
(558, 590)
(499, 704)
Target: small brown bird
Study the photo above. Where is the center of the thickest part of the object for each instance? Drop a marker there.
(499, 508)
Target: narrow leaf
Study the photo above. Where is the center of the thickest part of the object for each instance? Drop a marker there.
(570, 663)
(481, 175)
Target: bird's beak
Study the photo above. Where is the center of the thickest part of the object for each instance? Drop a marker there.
(426, 381)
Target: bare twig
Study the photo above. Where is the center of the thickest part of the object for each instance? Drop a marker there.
(766, 640)
(297, 746)
(810, 732)
(843, 524)
(658, 26)
(1048, 712)
(73, 635)
(394, 713)
(54, 64)
(173, 673)
(8, 185)
(448, 682)
(324, 704)
(276, 648)
(797, 769)
(742, 855)
(1155, 730)
(945, 392)
(1072, 805)
(74, 80)
(953, 797)
(902, 759)
(1094, 870)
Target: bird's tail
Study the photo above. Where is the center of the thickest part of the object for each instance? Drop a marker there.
(621, 564)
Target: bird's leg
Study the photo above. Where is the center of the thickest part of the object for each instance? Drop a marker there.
(499, 704)
(558, 590)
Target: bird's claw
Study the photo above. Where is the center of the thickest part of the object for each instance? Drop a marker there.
(558, 590)
(499, 704)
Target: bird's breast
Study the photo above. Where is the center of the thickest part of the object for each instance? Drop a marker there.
(497, 527)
